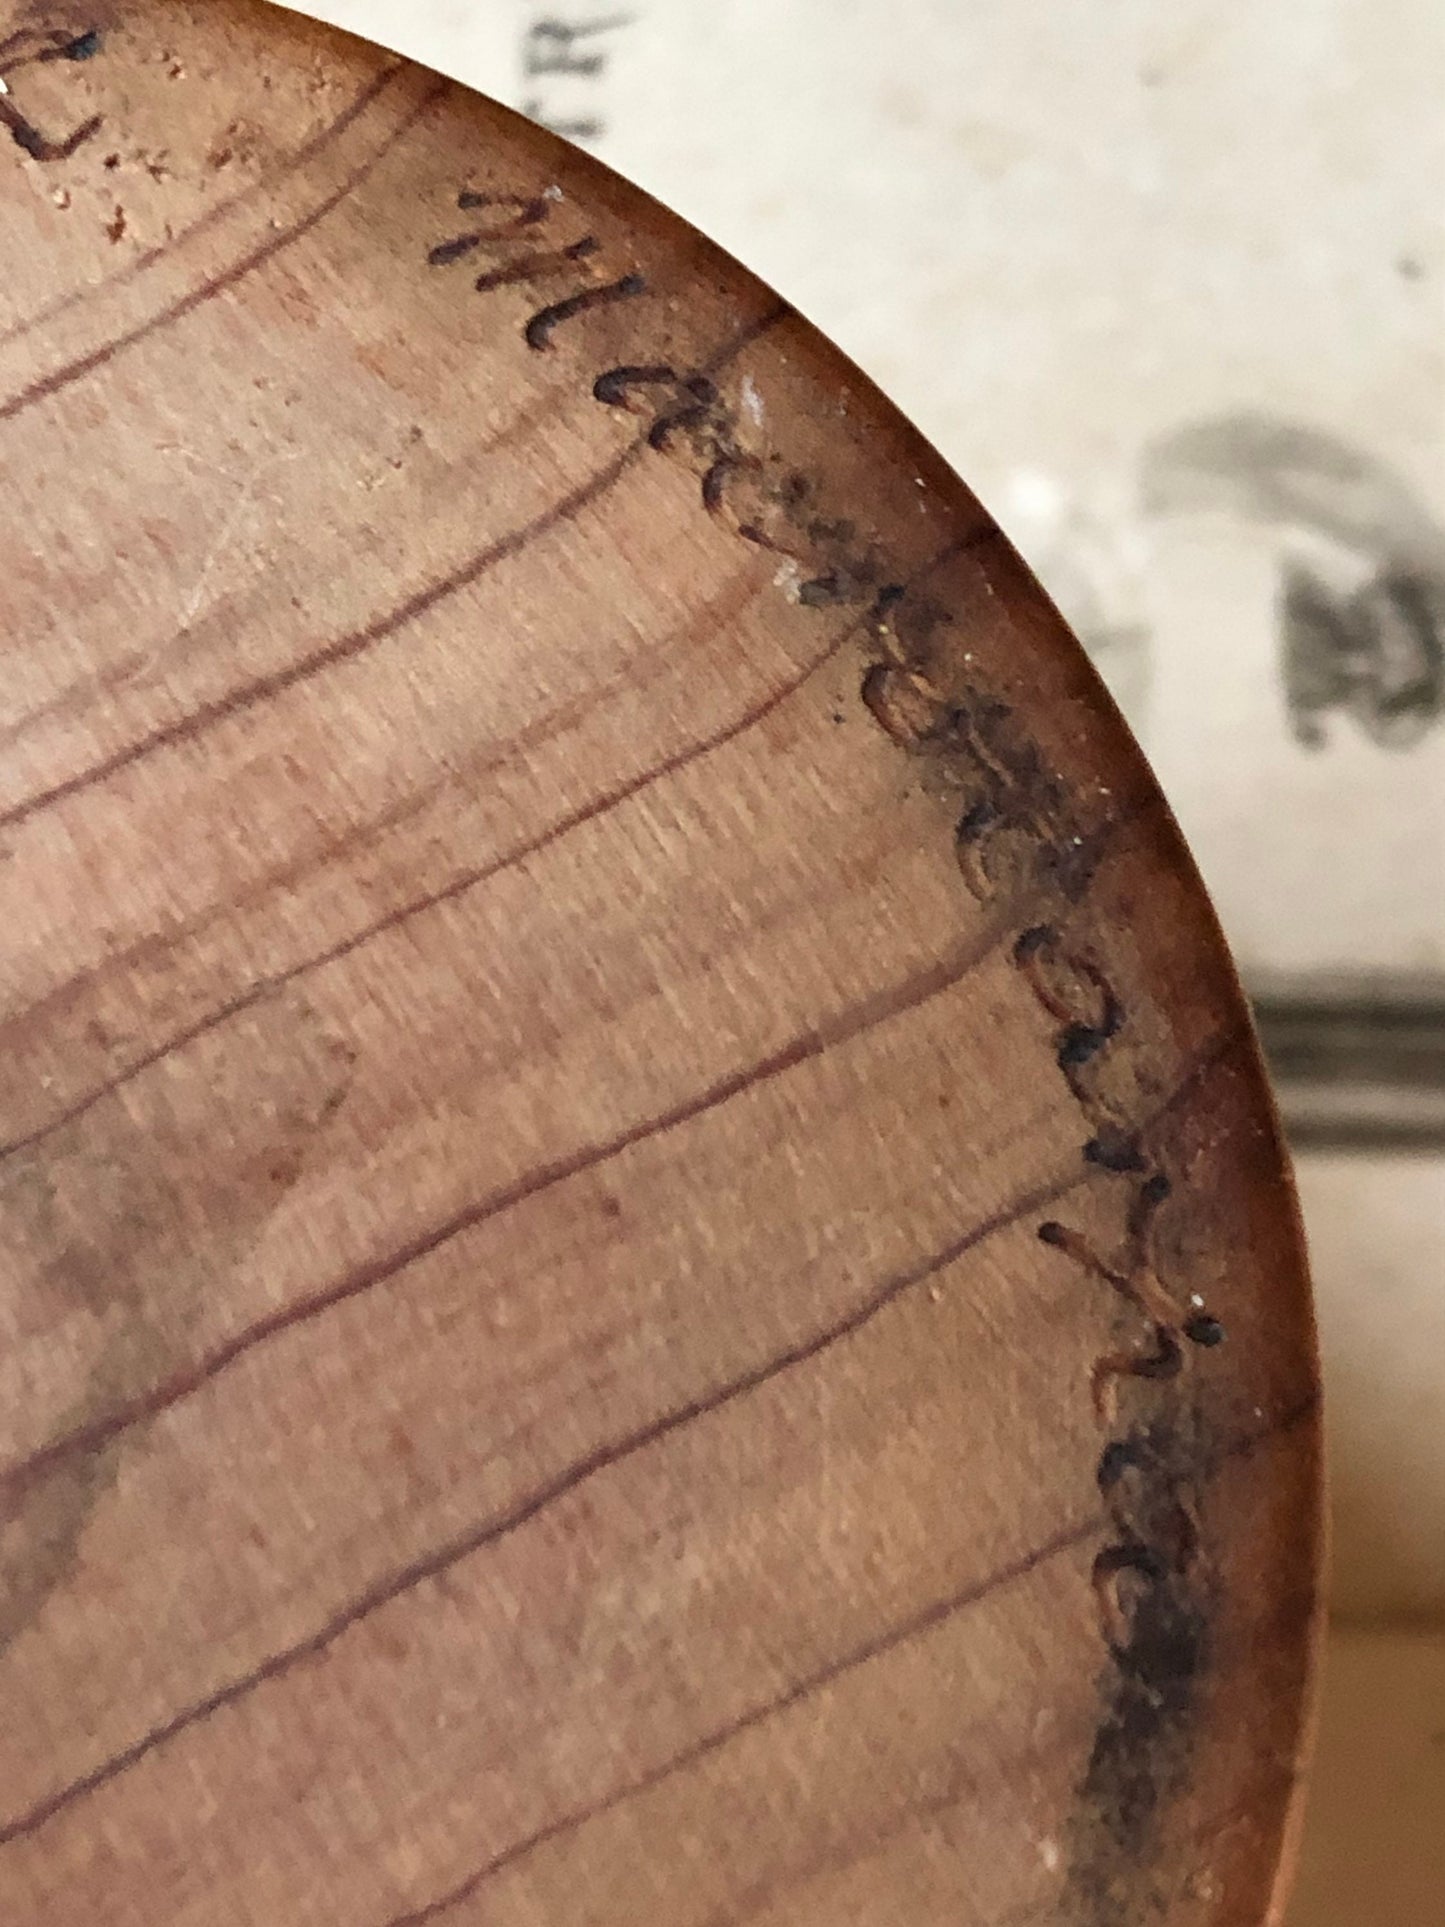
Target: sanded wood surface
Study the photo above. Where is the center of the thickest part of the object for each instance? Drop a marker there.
(646, 1274)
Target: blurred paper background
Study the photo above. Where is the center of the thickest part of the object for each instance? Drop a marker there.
(1165, 281)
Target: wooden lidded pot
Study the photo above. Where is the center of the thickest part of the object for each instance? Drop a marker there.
(647, 1272)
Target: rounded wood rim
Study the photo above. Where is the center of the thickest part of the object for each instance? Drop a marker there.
(881, 1476)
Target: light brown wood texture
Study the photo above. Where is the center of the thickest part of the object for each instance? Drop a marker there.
(647, 1274)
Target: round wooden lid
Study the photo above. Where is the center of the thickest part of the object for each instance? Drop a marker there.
(647, 1274)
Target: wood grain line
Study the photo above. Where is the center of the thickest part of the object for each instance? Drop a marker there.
(932, 1616)
(464, 882)
(443, 1558)
(397, 1584)
(763, 1896)
(69, 701)
(298, 158)
(467, 880)
(848, 1025)
(1066, 1539)
(347, 647)
(341, 649)
(59, 379)
(1272, 1778)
